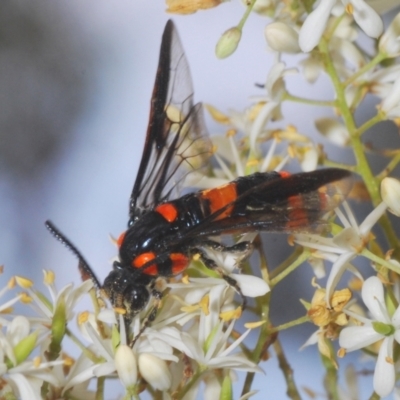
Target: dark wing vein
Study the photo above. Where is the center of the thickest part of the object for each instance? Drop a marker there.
(176, 141)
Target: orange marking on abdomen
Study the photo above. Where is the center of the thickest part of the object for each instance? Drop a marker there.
(179, 262)
(144, 258)
(220, 197)
(120, 239)
(284, 174)
(168, 211)
(298, 215)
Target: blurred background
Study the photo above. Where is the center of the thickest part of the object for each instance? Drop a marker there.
(75, 85)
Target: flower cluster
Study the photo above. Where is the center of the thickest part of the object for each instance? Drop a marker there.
(198, 341)
(193, 335)
(331, 37)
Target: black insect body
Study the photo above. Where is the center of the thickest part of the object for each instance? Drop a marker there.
(165, 231)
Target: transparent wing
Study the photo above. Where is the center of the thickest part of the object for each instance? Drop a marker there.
(176, 142)
(293, 204)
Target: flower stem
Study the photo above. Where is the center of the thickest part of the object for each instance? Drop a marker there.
(376, 60)
(284, 270)
(290, 324)
(297, 99)
(100, 388)
(368, 254)
(246, 14)
(363, 167)
(284, 365)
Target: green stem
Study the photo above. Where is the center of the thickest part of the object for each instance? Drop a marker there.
(375, 61)
(389, 167)
(246, 14)
(368, 254)
(305, 254)
(100, 388)
(284, 365)
(297, 99)
(363, 168)
(290, 324)
(368, 124)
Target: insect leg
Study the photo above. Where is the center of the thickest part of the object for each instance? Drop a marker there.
(241, 247)
(151, 316)
(209, 263)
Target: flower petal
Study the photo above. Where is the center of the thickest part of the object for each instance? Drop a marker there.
(314, 25)
(367, 18)
(356, 337)
(373, 297)
(251, 286)
(384, 376)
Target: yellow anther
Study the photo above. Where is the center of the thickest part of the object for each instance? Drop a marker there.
(185, 279)
(341, 353)
(36, 362)
(349, 8)
(83, 317)
(232, 314)
(231, 132)
(25, 283)
(196, 257)
(204, 304)
(252, 163)
(25, 298)
(253, 325)
(49, 277)
(190, 309)
(120, 310)
(217, 115)
(68, 361)
(11, 283)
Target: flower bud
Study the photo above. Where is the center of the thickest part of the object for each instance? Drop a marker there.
(389, 42)
(155, 371)
(228, 42)
(24, 348)
(333, 130)
(126, 365)
(390, 192)
(282, 37)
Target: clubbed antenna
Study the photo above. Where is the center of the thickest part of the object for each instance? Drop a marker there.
(84, 268)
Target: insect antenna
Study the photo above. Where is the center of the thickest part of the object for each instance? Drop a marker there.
(84, 268)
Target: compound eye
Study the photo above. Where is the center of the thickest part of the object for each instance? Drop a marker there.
(138, 298)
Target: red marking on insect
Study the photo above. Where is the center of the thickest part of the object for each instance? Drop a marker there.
(121, 239)
(220, 197)
(179, 262)
(168, 211)
(297, 215)
(143, 259)
(284, 174)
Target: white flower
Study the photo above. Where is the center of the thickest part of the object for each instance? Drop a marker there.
(342, 248)
(275, 87)
(315, 24)
(24, 376)
(389, 42)
(391, 104)
(282, 37)
(381, 326)
(390, 192)
(68, 295)
(333, 130)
